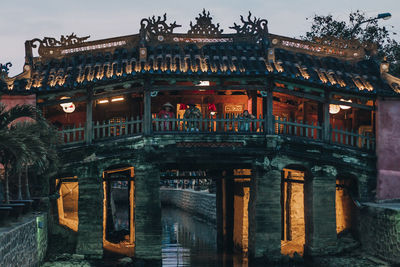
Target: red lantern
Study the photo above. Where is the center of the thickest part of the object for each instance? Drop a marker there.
(211, 107)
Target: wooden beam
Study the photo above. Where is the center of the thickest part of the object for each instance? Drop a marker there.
(298, 94)
(216, 88)
(354, 105)
(94, 97)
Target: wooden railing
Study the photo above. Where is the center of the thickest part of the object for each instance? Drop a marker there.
(72, 135)
(123, 128)
(298, 128)
(218, 125)
(228, 124)
(353, 139)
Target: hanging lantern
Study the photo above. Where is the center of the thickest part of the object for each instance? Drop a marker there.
(67, 107)
(334, 109)
(211, 107)
(343, 106)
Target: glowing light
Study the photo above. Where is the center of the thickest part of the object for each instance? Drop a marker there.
(117, 99)
(67, 107)
(204, 83)
(343, 106)
(334, 109)
(103, 101)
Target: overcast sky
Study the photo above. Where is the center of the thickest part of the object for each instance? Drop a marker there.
(26, 19)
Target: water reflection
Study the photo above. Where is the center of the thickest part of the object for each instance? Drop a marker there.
(189, 241)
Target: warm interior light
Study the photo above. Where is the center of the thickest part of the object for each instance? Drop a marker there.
(68, 107)
(334, 109)
(67, 203)
(343, 106)
(204, 83)
(103, 101)
(117, 99)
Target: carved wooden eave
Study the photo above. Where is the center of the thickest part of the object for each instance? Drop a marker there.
(394, 82)
(26, 74)
(349, 50)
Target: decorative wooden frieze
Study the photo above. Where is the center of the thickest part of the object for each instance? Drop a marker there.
(47, 43)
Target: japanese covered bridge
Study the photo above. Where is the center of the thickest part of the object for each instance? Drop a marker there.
(315, 108)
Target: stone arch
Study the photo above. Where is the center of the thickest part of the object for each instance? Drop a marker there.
(294, 194)
(118, 209)
(65, 187)
(346, 204)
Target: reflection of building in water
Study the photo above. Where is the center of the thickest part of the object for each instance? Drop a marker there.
(187, 241)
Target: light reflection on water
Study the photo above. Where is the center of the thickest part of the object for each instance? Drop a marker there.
(189, 241)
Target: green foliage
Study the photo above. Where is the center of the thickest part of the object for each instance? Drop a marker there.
(29, 143)
(370, 31)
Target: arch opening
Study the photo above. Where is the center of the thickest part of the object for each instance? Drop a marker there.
(292, 210)
(346, 204)
(118, 211)
(67, 203)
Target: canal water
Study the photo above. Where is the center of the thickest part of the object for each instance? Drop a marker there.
(190, 241)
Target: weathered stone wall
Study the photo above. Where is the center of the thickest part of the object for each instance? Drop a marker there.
(195, 202)
(387, 147)
(380, 228)
(24, 243)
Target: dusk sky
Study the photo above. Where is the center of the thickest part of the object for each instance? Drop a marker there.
(24, 19)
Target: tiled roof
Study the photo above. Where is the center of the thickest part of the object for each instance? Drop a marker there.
(73, 63)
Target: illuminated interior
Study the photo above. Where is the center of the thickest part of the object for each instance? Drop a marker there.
(118, 211)
(293, 223)
(344, 205)
(67, 203)
(241, 203)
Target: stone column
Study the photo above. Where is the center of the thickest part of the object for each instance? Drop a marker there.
(320, 190)
(148, 213)
(90, 212)
(265, 214)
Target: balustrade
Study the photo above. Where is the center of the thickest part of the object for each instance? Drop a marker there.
(219, 125)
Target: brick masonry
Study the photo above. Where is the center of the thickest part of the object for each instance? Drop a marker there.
(380, 228)
(24, 243)
(202, 204)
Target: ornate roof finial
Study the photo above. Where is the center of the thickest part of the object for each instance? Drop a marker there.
(67, 40)
(4, 69)
(157, 26)
(49, 45)
(254, 27)
(204, 25)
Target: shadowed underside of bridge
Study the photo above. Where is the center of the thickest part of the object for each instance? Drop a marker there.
(266, 156)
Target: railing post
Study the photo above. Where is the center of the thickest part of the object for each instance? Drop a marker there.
(147, 123)
(89, 118)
